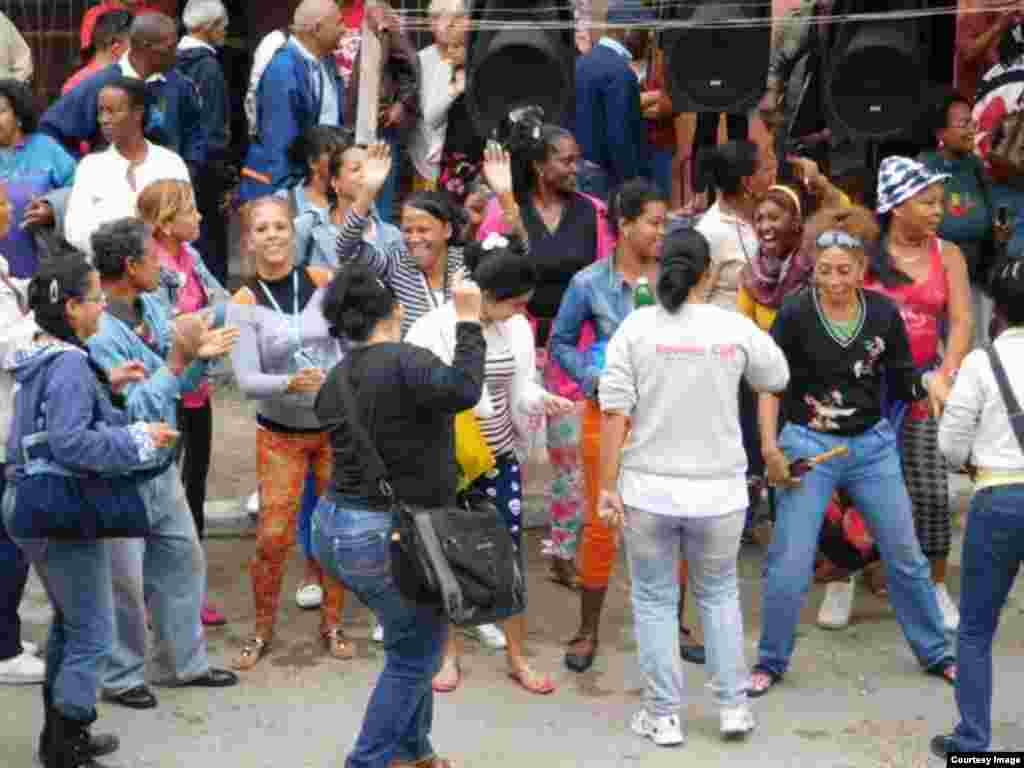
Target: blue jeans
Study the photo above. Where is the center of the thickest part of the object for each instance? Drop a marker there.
(304, 526)
(871, 473)
(653, 546)
(77, 579)
(166, 571)
(351, 542)
(660, 168)
(992, 555)
(13, 576)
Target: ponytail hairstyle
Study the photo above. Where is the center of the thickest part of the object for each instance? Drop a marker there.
(1007, 288)
(355, 301)
(313, 144)
(854, 220)
(161, 202)
(440, 206)
(727, 165)
(63, 274)
(118, 243)
(530, 142)
(501, 266)
(685, 257)
(630, 201)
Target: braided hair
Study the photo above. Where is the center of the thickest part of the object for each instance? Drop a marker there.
(530, 142)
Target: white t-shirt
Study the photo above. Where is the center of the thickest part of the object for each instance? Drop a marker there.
(733, 245)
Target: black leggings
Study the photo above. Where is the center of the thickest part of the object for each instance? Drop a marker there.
(196, 441)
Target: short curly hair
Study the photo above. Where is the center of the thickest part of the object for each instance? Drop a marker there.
(19, 97)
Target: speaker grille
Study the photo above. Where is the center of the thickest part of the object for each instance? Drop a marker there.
(874, 88)
(519, 69)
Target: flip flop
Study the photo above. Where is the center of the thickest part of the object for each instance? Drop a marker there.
(541, 685)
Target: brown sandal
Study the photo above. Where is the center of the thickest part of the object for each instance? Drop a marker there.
(338, 645)
(252, 651)
(424, 762)
(564, 572)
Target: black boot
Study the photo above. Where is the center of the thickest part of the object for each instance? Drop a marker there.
(583, 647)
(99, 745)
(67, 744)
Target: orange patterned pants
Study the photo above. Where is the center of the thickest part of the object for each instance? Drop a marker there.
(283, 461)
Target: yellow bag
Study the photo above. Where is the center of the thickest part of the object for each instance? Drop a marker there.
(472, 453)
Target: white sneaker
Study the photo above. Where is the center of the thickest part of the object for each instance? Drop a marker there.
(837, 605)
(252, 504)
(378, 633)
(309, 596)
(22, 670)
(490, 635)
(664, 731)
(950, 614)
(30, 648)
(736, 722)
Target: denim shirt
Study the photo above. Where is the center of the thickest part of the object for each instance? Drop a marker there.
(316, 238)
(598, 293)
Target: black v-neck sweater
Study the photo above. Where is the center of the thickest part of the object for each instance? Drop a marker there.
(843, 389)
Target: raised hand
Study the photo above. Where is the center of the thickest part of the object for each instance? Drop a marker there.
(497, 169)
(376, 169)
(466, 297)
(554, 405)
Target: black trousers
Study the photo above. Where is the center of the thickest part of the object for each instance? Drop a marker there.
(705, 137)
(196, 425)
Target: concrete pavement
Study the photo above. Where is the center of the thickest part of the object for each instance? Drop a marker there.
(852, 699)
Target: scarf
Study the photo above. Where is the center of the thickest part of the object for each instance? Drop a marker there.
(770, 280)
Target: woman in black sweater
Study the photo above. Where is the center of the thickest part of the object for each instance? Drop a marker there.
(844, 346)
(407, 399)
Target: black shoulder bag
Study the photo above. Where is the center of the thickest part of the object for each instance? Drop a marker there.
(461, 557)
(1009, 399)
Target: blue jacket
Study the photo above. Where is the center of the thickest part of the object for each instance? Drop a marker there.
(286, 107)
(316, 238)
(598, 293)
(115, 343)
(202, 67)
(173, 115)
(81, 431)
(609, 123)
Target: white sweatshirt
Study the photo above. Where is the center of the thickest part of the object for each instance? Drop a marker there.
(677, 377)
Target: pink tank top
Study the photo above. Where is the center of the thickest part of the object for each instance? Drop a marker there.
(923, 305)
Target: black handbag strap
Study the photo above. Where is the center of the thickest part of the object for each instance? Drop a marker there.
(373, 465)
(1009, 399)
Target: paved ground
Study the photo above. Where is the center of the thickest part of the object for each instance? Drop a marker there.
(852, 699)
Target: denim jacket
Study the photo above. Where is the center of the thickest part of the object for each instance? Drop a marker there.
(316, 238)
(115, 343)
(598, 293)
(170, 283)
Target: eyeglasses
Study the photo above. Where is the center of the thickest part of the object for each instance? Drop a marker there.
(835, 239)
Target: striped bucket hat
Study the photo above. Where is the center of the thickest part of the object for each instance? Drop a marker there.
(900, 178)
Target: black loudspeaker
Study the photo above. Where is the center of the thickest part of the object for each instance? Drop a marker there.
(874, 80)
(719, 61)
(516, 67)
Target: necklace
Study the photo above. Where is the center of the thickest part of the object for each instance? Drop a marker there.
(842, 332)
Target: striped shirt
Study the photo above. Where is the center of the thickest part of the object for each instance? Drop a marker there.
(499, 373)
(396, 268)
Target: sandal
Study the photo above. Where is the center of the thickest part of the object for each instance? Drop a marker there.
(424, 762)
(945, 669)
(532, 681)
(252, 651)
(338, 645)
(756, 691)
(448, 677)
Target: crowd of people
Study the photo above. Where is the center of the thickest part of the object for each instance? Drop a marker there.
(684, 341)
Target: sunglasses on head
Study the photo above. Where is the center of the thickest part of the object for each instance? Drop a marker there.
(835, 239)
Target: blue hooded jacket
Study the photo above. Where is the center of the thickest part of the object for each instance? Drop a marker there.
(59, 400)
